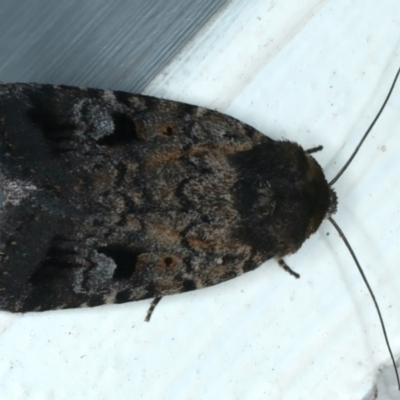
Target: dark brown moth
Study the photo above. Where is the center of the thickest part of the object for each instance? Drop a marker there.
(113, 197)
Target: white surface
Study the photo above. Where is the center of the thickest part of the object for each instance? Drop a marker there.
(315, 72)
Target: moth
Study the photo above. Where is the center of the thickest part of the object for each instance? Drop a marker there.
(114, 197)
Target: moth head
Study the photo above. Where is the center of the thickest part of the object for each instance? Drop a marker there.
(324, 197)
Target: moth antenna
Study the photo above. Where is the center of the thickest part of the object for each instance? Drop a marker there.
(346, 242)
(339, 174)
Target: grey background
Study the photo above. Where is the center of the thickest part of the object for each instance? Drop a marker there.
(115, 44)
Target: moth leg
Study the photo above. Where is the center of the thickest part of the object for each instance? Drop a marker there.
(314, 149)
(153, 304)
(286, 267)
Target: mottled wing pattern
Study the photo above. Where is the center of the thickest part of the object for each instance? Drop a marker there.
(113, 197)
